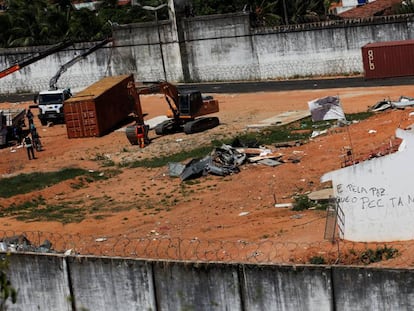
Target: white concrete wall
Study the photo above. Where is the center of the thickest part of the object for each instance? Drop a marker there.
(212, 48)
(377, 197)
(57, 283)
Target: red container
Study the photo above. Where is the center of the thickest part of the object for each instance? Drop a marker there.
(388, 59)
(99, 108)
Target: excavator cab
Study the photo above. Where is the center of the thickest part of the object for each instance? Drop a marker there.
(192, 105)
(189, 102)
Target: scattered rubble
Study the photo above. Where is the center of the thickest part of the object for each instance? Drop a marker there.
(401, 103)
(19, 243)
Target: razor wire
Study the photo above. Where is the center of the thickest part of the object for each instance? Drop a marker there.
(336, 252)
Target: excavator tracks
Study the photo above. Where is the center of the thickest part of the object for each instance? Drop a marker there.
(190, 127)
(167, 127)
(200, 125)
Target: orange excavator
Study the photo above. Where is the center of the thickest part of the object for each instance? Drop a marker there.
(186, 112)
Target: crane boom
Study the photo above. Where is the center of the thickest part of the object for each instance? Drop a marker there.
(64, 67)
(31, 59)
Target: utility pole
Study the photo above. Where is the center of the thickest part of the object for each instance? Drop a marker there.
(155, 10)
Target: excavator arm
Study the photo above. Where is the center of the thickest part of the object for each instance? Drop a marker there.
(53, 81)
(32, 59)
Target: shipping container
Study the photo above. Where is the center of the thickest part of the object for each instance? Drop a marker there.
(99, 108)
(388, 59)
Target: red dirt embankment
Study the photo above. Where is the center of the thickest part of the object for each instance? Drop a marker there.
(143, 202)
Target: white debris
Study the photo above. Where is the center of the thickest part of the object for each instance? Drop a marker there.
(244, 213)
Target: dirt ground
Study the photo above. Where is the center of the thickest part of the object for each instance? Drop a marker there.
(148, 203)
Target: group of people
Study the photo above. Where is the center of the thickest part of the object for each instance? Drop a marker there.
(32, 140)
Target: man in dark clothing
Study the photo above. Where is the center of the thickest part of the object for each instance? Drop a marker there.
(29, 147)
(29, 116)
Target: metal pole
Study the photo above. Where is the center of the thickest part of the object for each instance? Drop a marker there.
(159, 41)
(285, 13)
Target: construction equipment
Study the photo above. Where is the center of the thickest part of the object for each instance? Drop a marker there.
(30, 60)
(53, 81)
(50, 102)
(186, 109)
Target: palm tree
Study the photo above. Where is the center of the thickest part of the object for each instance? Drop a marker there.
(406, 7)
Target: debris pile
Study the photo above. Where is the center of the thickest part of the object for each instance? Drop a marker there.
(225, 160)
(19, 243)
(401, 103)
(222, 161)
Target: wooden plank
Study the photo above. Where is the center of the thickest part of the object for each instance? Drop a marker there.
(282, 119)
(268, 156)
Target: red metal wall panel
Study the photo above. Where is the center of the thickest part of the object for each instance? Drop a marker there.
(99, 108)
(388, 59)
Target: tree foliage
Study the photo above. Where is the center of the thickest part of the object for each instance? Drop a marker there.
(41, 22)
(7, 291)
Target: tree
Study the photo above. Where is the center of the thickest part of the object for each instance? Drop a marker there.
(84, 26)
(406, 7)
(35, 22)
(7, 291)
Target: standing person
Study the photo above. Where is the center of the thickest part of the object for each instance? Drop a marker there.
(32, 128)
(27, 142)
(36, 141)
(19, 134)
(29, 116)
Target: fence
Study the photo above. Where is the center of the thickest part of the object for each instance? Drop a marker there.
(336, 252)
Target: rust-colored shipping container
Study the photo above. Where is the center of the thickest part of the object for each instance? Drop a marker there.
(99, 108)
(388, 59)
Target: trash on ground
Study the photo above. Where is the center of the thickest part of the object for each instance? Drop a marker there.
(318, 133)
(175, 169)
(401, 103)
(19, 243)
(295, 143)
(326, 108)
(269, 162)
(222, 161)
(244, 213)
(284, 205)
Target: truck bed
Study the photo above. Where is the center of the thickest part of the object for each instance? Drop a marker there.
(12, 117)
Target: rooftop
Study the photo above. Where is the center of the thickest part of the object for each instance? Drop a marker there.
(375, 8)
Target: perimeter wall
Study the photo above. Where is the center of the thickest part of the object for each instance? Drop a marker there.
(55, 282)
(211, 48)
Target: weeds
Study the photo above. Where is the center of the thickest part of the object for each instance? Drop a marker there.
(380, 254)
(38, 210)
(301, 202)
(177, 157)
(317, 260)
(299, 130)
(25, 183)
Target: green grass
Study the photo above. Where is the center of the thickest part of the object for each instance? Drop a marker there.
(299, 130)
(38, 210)
(177, 157)
(26, 183)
